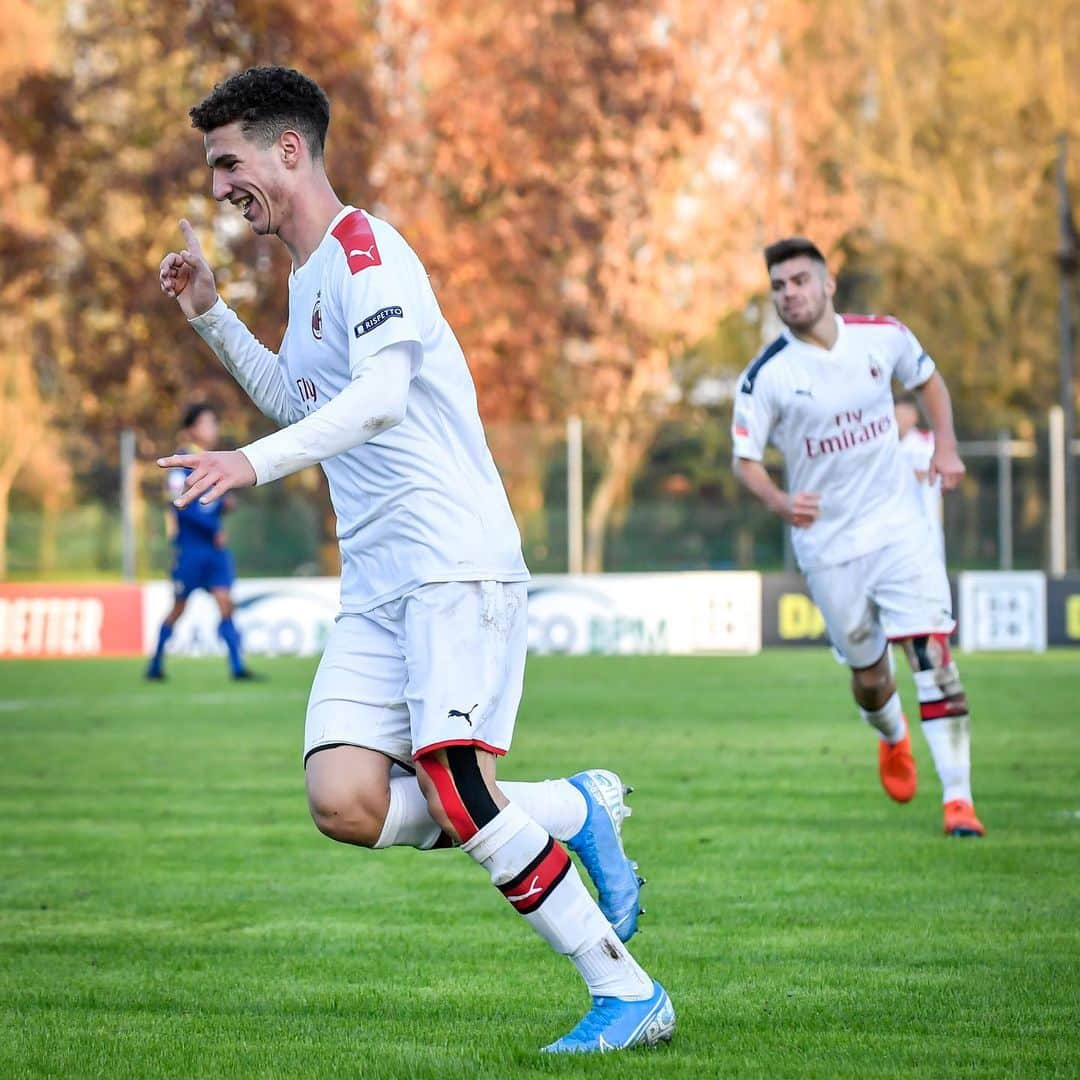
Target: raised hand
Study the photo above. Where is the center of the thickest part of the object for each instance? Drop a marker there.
(186, 275)
(213, 473)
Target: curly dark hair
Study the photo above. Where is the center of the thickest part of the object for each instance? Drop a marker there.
(267, 101)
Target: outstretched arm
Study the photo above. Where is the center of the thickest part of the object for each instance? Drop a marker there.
(946, 461)
(372, 403)
(186, 276)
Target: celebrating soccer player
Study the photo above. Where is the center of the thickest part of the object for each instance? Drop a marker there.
(424, 667)
(821, 392)
(203, 561)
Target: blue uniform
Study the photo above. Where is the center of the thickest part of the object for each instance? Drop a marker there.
(199, 563)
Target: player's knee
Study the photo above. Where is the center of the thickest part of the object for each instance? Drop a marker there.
(346, 816)
(873, 686)
(937, 675)
(458, 795)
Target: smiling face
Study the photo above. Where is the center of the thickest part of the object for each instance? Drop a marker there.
(802, 290)
(257, 180)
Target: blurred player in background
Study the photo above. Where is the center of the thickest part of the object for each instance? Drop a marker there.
(821, 392)
(424, 667)
(202, 559)
(917, 450)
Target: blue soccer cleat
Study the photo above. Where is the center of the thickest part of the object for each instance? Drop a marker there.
(615, 1024)
(598, 844)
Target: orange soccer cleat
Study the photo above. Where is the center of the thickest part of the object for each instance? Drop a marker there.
(960, 819)
(896, 766)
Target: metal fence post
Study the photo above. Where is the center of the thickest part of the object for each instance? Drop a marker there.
(127, 502)
(1005, 522)
(575, 513)
(1058, 463)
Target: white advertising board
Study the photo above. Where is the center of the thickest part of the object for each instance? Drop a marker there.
(676, 614)
(275, 617)
(1003, 610)
(679, 614)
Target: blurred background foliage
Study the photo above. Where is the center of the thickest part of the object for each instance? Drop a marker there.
(589, 184)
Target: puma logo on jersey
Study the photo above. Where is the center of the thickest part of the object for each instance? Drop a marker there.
(804, 393)
(353, 233)
(534, 888)
(466, 716)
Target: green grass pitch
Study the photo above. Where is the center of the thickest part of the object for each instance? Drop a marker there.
(168, 910)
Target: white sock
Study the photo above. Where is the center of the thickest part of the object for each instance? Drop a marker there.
(536, 875)
(888, 720)
(555, 805)
(608, 970)
(949, 737)
(408, 822)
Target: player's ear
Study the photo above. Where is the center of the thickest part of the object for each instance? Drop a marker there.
(830, 286)
(291, 148)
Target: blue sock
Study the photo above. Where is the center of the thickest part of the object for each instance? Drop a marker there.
(231, 636)
(159, 653)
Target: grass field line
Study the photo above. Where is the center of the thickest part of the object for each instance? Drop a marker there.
(151, 700)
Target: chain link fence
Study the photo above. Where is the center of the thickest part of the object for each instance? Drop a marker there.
(686, 512)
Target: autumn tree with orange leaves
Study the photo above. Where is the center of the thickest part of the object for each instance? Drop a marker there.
(29, 444)
(590, 183)
(574, 178)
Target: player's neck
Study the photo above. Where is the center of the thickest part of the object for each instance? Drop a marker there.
(823, 333)
(310, 217)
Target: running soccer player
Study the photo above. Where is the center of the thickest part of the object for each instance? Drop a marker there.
(821, 392)
(424, 667)
(917, 450)
(202, 559)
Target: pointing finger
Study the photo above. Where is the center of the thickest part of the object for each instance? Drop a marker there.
(190, 239)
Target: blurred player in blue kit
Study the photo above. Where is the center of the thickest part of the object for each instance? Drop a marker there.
(203, 561)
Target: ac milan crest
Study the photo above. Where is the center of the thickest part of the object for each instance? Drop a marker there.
(875, 368)
(316, 317)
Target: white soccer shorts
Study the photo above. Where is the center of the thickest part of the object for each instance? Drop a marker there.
(898, 591)
(441, 666)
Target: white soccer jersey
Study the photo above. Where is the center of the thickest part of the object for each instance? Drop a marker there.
(830, 413)
(423, 501)
(917, 450)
